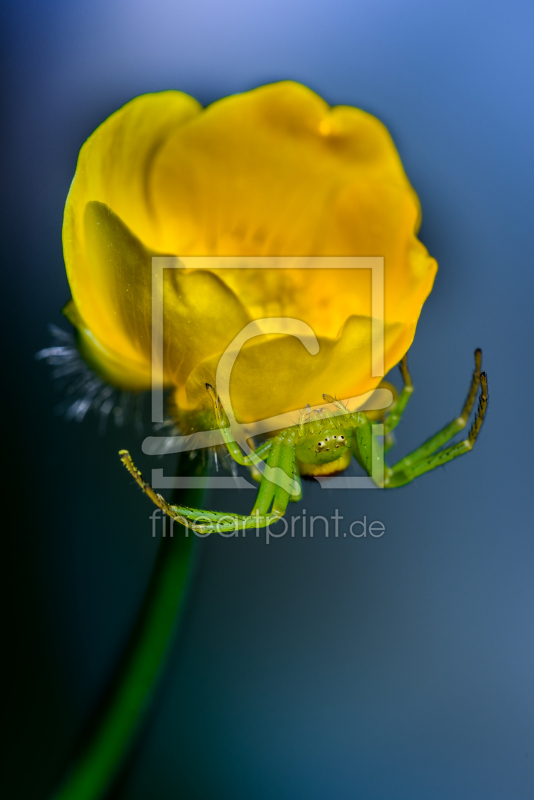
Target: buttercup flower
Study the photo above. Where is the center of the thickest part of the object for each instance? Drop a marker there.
(272, 172)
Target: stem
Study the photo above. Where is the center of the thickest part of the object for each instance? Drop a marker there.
(92, 773)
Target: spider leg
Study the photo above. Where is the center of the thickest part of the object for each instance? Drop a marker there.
(201, 520)
(394, 416)
(363, 445)
(294, 498)
(265, 494)
(426, 458)
(366, 449)
(275, 478)
(250, 461)
(284, 490)
(442, 437)
(278, 484)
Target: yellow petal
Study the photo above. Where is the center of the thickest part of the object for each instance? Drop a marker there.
(273, 375)
(113, 168)
(112, 368)
(277, 172)
(270, 172)
(200, 313)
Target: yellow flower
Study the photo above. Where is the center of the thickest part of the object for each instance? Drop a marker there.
(272, 172)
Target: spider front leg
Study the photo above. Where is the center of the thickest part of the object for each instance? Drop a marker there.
(252, 461)
(429, 455)
(285, 475)
(204, 521)
(280, 482)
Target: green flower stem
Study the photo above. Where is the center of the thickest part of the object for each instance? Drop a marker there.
(92, 774)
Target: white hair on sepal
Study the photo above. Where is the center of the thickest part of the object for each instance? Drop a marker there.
(84, 390)
(233, 468)
(167, 431)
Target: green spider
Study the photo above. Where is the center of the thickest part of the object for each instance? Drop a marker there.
(323, 444)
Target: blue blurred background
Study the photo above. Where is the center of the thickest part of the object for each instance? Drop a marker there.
(401, 667)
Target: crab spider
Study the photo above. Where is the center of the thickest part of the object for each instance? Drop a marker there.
(323, 443)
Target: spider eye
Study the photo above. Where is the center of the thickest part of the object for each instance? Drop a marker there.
(341, 437)
(326, 438)
(320, 444)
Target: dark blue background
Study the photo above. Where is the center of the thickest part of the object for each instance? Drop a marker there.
(379, 669)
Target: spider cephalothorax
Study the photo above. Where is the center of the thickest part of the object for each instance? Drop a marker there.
(325, 451)
(320, 444)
